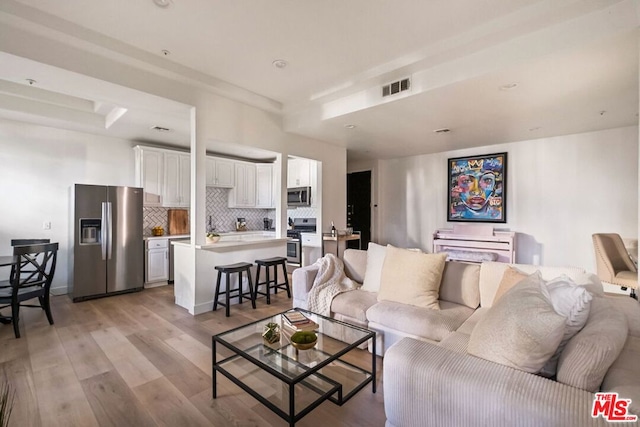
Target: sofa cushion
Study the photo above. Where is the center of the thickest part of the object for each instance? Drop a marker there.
(417, 321)
(522, 330)
(510, 278)
(375, 260)
(354, 304)
(623, 376)
(355, 264)
(491, 274)
(411, 277)
(572, 302)
(460, 283)
(472, 321)
(589, 354)
(631, 309)
(456, 341)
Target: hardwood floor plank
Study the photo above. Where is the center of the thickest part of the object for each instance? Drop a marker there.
(17, 373)
(168, 406)
(87, 358)
(113, 402)
(134, 368)
(196, 352)
(61, 399)
(183, 374)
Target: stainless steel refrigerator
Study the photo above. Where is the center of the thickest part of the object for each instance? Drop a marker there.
(107, 250)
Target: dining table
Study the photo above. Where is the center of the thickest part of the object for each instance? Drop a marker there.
(8, 261)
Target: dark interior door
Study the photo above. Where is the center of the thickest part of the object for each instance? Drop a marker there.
(359, 206)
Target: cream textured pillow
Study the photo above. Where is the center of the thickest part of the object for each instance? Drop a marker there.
(375, 259)
(510, 278)
(410, 277)
(521, 330)
(572, 302)
(589, 354)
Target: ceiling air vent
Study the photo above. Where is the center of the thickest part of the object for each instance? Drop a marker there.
(160, 129)
(396, 87)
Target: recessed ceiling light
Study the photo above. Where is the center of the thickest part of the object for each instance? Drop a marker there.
(280, 63)
(534, 128)
(509, 86)
(442, 130)
(350, 126)
(602, 112)
(31, 82)
(162, 3)
(165, 52)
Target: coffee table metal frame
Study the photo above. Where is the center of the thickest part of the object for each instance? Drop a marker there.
(307, 373)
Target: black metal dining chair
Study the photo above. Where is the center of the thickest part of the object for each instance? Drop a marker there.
(30, 278)
(22, 242)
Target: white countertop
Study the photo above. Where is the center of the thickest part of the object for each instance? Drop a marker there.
(167, 236)
(230, 233)
(230, 242)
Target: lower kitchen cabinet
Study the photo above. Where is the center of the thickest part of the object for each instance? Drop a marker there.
(156, 260)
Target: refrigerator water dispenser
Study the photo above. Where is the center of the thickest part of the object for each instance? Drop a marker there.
(90, 231)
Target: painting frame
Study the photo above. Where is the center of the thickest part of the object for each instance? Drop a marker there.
(477, 188)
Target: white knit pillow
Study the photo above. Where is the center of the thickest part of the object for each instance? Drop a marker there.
(572, 302)
(375, 260)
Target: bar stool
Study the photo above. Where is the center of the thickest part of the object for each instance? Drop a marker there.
(228, 270)
(269, 282)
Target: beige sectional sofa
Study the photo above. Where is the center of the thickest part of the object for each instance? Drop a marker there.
(431, 379)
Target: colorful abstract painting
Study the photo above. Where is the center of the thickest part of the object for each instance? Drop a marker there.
(478, 188)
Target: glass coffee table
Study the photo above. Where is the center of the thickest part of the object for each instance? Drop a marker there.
(293, 382)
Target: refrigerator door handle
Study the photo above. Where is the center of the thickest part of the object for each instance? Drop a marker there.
(103, 231)
(110, 229)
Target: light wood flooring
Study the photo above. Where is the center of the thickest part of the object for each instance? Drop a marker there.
(140, 360)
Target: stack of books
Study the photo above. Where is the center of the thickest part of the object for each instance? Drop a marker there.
(298, 321)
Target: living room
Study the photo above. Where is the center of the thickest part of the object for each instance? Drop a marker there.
(572, 141)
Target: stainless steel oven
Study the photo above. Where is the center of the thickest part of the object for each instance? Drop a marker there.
(294, 248)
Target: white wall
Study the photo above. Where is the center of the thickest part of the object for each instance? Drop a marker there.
(38, 165)
(560, 191)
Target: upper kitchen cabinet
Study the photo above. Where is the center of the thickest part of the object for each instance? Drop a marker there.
(299, 173)
(243, 195)
(220, 173)
(164, 175)
(177, 178)
(149, 175)
(264, 186)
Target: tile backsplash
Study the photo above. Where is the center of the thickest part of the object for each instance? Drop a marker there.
(223, 217)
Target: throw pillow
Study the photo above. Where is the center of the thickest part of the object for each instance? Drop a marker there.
(522, 330)
(589, 354)
(573, 302)
(510, 278)
(375, 259)
(410, 277)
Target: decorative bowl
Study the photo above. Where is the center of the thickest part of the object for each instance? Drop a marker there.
(157, 231)
(213, 239)
(302, 340)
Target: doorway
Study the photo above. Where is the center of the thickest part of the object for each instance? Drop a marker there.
(359, 207)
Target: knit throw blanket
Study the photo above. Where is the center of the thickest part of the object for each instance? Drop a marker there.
(329, 282)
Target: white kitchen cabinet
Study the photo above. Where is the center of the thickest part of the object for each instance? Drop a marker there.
(149, 175)
(157, 260)
(177, 174)
(313, 182)
(243, 195)
(264, 186)
(298, 173)
(220, 172)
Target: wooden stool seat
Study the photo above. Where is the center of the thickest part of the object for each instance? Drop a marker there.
(270, 283)
(228, 270)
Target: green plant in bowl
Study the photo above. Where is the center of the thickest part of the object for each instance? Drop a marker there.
(304, 340)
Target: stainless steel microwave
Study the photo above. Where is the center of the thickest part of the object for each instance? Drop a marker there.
(299, 196)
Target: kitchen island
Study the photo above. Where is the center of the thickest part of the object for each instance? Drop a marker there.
(195, 274)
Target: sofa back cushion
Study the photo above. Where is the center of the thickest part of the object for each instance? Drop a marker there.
(375, 260)
(522, 330)
(355, 264)
(411, 277)
(491, 275)
(460, 283)
(589, 354)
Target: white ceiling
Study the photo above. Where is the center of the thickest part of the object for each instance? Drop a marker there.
(571, 60)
